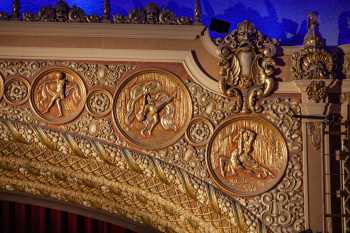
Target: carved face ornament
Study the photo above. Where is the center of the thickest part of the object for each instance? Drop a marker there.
(152, 12)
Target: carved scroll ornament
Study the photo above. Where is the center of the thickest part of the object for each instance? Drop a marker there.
(247, 66)
(61, 13)
(313, 61)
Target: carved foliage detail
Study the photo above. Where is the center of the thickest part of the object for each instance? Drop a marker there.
(317, 91)
(247, 66)
(152, 14)
(61, 13)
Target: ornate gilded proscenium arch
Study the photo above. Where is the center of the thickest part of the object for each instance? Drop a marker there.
(159, 125)
(89, 172)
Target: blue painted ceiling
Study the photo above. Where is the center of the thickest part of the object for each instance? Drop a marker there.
(281, 19)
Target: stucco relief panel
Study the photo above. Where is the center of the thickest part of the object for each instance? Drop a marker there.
(170, 118)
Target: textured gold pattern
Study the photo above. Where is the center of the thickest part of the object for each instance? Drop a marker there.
(317, 91)
(58, 95)
(247, 156)
(1, 86)
(102, 176)
(152, 109)
(184, 155)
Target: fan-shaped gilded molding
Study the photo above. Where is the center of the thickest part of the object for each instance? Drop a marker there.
(88, 172)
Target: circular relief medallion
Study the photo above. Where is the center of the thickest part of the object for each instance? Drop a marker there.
(99, 103)
(152, 109)
(199, 131)
(58, 95)
(16, 90)
(247, 155)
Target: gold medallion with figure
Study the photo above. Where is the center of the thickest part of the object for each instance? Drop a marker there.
(247, 155)
(152, 109)
(58, 95)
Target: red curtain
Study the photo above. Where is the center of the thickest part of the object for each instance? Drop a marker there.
(21, 218)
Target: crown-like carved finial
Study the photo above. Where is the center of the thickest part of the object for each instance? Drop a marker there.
(313, 37)
(197, 12)
(106, 11)
(313, 61)
(15, 9)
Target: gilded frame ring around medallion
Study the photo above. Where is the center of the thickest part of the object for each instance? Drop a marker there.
(2, 84)
(187, 104)
(229, 189)
(81, 84)
(109, 96)
(10, 79)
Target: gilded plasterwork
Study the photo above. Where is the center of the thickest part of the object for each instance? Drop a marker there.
(99, 102)
(58, 95)
(16, 90)
(1, 86)
(187, 153)
(313, 61)
(246, 66)
(152, 109)
(102, 176)
(247, 156)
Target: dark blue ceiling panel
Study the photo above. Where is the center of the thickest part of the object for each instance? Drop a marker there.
(284, 19)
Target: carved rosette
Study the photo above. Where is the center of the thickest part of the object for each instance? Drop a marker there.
(199, 131)
(246, 66)
(58, 95)
(317, 91)
(313, 61)
(99, 103)
(152, 109)
(152, 14)
(247, 156)
(16, 90)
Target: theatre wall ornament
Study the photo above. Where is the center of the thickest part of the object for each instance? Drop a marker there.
(16, 90)
(313, 61)
(99, 102)
(246, 67)
(152, 109)
(58, 95)
(317, 91)
(247, 155)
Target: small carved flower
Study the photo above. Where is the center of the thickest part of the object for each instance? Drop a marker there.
(99, 103)
(16, 91)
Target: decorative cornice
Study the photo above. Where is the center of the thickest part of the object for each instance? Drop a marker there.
(62, 12)
(135, 31)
